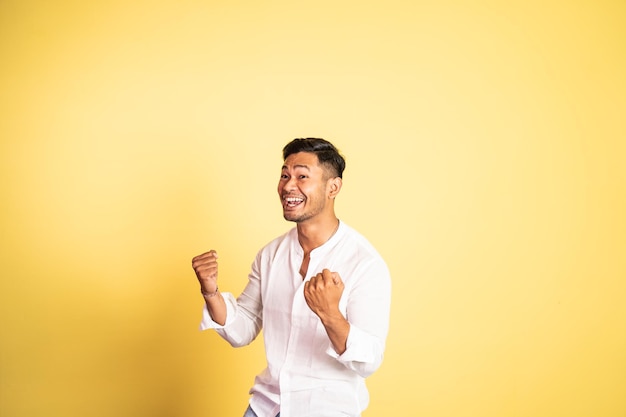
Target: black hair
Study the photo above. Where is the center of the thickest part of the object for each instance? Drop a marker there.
(326, 153)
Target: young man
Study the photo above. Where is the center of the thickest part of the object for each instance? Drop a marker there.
(320, 292)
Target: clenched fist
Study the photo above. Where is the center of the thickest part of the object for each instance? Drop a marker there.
(323, 292)
(205, 266)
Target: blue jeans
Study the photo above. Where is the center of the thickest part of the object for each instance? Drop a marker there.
(251, 413)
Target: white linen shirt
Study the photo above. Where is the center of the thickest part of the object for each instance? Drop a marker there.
(305, 377)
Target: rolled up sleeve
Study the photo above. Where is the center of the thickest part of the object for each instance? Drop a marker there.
(368, 314)
(244, 315)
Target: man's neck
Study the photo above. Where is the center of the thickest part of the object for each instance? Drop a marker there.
(314, 235)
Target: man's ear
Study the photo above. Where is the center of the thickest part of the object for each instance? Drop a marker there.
(334, 186)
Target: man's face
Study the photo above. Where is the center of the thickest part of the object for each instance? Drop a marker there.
(302, 187)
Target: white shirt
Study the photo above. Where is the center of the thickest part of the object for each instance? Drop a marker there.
(305, 377)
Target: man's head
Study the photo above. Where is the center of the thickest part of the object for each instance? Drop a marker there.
(310, 180)
(327, 155)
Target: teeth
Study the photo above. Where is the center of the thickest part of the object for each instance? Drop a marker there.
(293, 200)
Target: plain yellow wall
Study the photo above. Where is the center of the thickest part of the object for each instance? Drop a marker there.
(486, 151)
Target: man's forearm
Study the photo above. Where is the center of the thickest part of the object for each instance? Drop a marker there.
(337, 328)
(216, 306)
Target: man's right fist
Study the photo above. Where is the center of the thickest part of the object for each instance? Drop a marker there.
(205, 266)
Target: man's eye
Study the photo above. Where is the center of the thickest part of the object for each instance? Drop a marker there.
(283, 176)
(302, 177)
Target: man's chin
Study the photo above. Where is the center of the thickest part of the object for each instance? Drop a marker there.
(292, 217)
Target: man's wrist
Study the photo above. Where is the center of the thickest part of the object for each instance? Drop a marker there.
(210, 294)
(332, 319)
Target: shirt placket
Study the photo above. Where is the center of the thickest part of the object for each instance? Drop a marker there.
(293, 358)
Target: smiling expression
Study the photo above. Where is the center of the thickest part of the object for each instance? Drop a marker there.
(303, 187)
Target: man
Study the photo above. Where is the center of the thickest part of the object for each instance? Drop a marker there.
(320, 292)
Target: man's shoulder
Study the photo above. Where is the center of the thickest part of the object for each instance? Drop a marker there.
(358, 239)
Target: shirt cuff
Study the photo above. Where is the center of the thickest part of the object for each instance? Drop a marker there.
(358, 348)
(231, 306)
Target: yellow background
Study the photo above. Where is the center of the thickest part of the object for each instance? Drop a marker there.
(486, 150)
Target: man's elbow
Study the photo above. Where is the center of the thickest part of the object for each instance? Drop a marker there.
(366, 369)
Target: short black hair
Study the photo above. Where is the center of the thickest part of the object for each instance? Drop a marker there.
(326, 153)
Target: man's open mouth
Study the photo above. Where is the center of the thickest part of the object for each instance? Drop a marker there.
(292, 201)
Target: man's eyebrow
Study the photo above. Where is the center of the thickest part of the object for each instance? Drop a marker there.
(298, 166)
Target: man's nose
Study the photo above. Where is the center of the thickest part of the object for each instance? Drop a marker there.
(290, 184)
